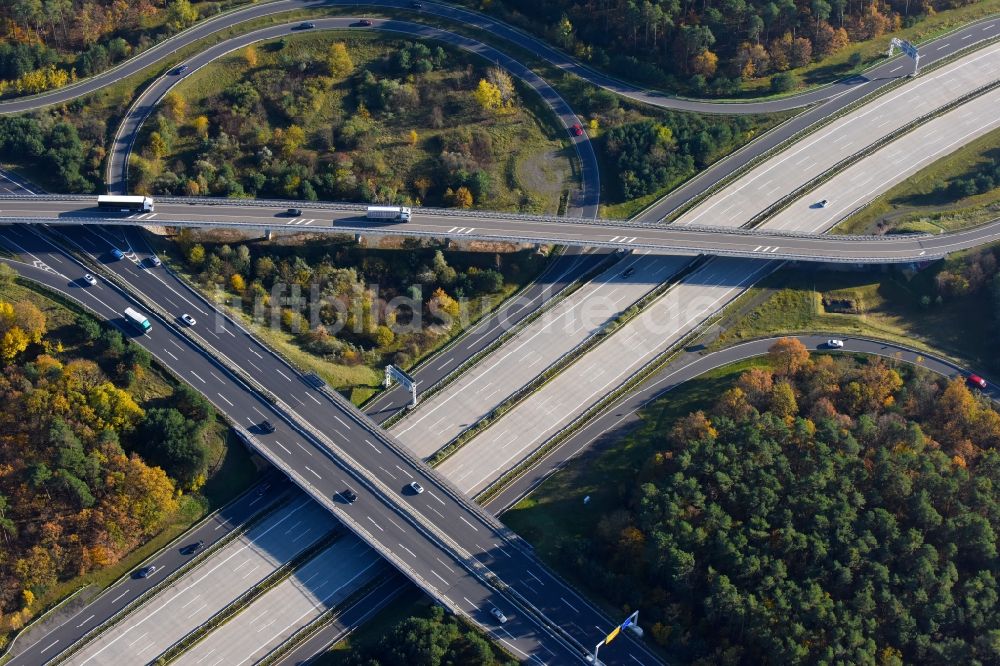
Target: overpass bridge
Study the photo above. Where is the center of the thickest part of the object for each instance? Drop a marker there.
(267, 216)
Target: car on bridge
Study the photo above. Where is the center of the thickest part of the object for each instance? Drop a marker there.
(349, 496)
(89, 279)
(192, 548)
(145, 572)
(498, 614)
(416, 488)
(188, 319)
(116, 253)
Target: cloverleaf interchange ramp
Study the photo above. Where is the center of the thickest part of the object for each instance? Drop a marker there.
(347, 219)
(618, 242)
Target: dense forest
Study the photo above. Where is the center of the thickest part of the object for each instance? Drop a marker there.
(430, 639)
(824, 510)
(78, 485)
(352, 305)
(312, 118)
(50, 145)
(47, 43)
(709, 47)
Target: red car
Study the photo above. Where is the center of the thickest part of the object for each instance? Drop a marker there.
(576, 130)
(977, 381)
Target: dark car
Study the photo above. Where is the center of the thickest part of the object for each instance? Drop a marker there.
(365, 23)
(267, 426)
(192, 548)
(294, 212)
(576, 130)
(628, 272)
(145, 572)
(977, 381)
(349, 496)
(417, 5)
(308, 25)
(180, 70)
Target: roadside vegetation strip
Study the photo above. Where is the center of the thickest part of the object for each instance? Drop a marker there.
(179, 573)
(242, 602)
(455, 374)
(867, 151)
(433, 354)
(820, 123)
(562, 363)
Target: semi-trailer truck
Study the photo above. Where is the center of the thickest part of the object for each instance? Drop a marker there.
(397, 213)
(132, 204)
(137, 319)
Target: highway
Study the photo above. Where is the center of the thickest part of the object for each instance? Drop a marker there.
(194, 599)
(36, 647)
(673, 239)
(607, 428)
(586, 200)
(504, 558)
(566, 325)
(895, 68)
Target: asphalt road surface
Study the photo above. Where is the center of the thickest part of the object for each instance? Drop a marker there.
(586, 202)
(613, 422)
(898, 67)
(807, 160)
(569, 323)
(41, 648)
(196, 597)
(379, 513)
(673, 239)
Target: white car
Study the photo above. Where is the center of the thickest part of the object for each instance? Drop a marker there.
(188, 319)
(155, 260)
(498, 614)
(834, 344)
(89, 279)
(416, 487)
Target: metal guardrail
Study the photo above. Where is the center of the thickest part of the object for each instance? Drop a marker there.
(673, 248)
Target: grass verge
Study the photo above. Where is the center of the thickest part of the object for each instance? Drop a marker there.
(888, 304)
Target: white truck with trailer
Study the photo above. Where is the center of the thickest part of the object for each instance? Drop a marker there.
(397, 213)
(125, 204)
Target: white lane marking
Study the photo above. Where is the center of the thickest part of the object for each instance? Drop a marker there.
(313, 471)
(895, 69)
(776, 249)
(85, 621)
(407, 550)
(259, 369)
(255, 353)
(304, 448)
(226, 399)
(193, 599)
(436, 511)
(254, 408)
(437, 498)
(278, 370)
(446, 363)
(398, 526)
(217, 376)
(575, 609)
(48, 646)
(375, 524)
(174, 343)
(462, 518)
(387, 471)
(404, 471)
(439, 576)
(314, 399)
(341, 422)
(283, 447)
(377, 450)
(444, 565)
(199, 378)
(942, 46)
(171, 355)
(967, 37)
(138, 639)
(534, 576)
